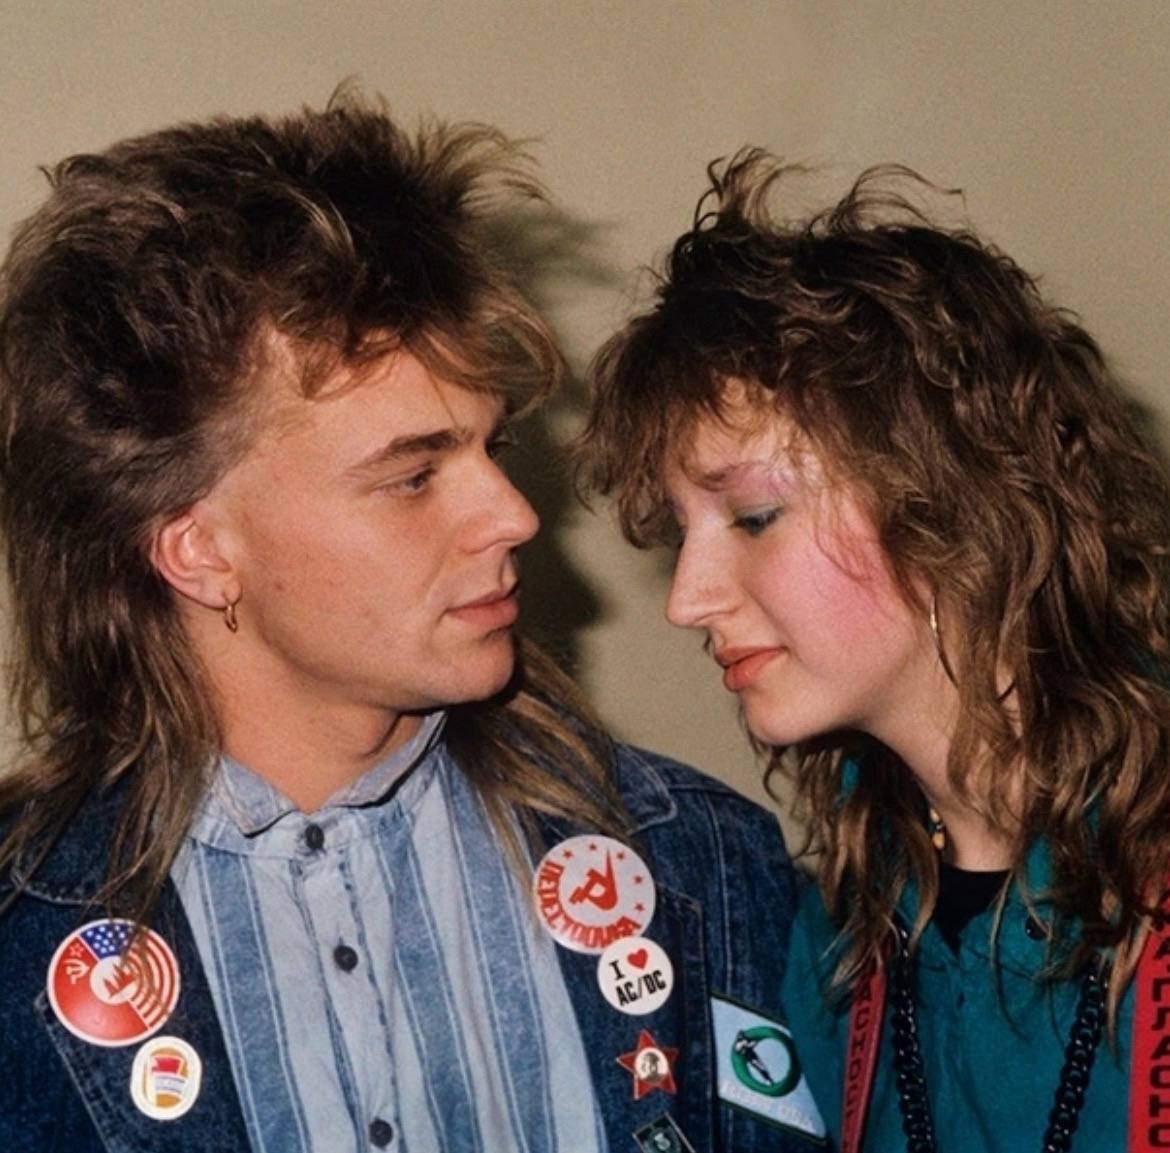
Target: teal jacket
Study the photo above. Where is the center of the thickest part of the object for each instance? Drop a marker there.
(993, 1035)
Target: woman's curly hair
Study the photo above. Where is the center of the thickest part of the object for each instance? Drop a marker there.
(985, 436)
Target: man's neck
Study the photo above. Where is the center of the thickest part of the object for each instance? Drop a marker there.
(309, 750)
(307, 737)
(307, 768)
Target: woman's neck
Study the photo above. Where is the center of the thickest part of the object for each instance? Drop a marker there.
(973, 840)
(920, 731)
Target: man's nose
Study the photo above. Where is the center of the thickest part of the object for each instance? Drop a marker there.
(508, 517)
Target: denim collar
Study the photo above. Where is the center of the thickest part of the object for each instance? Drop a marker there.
(252, 804)
(647, 799)
(75, 870)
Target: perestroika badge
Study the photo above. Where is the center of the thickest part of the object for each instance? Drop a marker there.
(592, 891)
(109, 994)
(165, 1078)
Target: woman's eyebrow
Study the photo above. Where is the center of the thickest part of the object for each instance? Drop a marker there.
(726, 474)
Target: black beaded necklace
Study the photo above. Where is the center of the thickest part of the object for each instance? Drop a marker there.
(910, 1078)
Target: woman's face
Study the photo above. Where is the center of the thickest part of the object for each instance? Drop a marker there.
(785, 575)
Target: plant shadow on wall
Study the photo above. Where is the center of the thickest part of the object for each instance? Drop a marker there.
(555, 258)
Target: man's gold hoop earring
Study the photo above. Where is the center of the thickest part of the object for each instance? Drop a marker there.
(229, 617)
(938, 644)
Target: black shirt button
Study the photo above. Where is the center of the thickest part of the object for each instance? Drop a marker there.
(314, 837)
(1034, 929)
(381, 1132)
(345, 958)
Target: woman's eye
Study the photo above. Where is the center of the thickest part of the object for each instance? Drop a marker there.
(755, 521)
(499, 444)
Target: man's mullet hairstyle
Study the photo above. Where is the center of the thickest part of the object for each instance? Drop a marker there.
(138, 308)
(989, 441)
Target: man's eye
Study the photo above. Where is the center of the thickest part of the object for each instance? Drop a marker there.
(756, 521)
(415, 482)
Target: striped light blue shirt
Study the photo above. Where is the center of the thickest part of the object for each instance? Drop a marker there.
(379, 976)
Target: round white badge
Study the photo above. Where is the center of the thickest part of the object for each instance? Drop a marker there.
(592, 891)
(165, 1078)
(635, 975)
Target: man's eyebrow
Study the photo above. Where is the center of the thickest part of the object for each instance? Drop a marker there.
(440, 441)
(419, 444)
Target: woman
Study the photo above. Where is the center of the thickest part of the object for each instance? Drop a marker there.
(928, 548)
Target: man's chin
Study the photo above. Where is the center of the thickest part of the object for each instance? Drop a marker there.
(488, 676)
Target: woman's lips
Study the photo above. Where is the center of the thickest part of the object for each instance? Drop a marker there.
(743, 665)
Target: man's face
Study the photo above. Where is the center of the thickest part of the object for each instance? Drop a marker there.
(372, 532)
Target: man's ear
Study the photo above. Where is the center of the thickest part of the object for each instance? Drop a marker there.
(187, 553)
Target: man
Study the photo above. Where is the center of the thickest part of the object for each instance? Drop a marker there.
(301, 854)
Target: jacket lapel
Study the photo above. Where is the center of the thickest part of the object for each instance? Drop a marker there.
(681, 1023)
(101, 1074)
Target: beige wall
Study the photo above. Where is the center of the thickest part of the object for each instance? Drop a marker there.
(1051, 115)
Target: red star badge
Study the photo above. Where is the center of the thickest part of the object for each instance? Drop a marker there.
(652, 1065)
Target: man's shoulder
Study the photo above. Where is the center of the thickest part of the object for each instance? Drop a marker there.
(655, 785)
(73, 867)
(715, 848)
(701, 825)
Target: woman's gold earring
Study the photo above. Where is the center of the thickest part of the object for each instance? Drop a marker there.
(229, 616)
(936, 829)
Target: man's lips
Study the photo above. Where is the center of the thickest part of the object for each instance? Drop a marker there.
(742, 665)
(494, 610)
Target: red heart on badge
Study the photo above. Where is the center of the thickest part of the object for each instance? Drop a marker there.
(638, 958)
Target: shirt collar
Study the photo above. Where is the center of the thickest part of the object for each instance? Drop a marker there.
(1021, 935)
(252, 804)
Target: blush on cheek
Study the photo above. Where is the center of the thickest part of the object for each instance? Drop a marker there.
(851, 571)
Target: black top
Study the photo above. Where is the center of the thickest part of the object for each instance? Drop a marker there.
(962, 895)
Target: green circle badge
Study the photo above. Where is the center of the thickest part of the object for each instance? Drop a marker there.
(757, 1070)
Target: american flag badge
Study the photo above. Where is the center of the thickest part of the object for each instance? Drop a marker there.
(165, 1078)
(112, 987)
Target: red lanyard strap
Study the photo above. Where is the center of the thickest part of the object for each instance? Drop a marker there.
(1149, 1078)
(865, 1034)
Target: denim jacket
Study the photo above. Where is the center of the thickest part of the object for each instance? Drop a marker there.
(725, 904)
